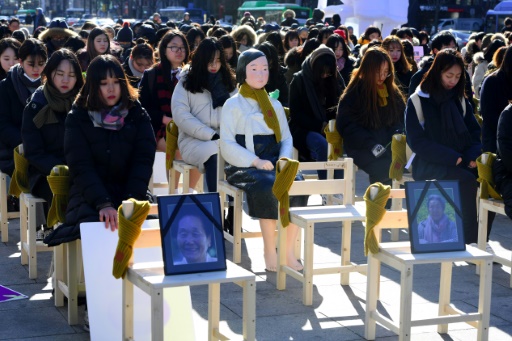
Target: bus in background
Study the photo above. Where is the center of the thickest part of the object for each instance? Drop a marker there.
(175, 14)
(494, 20)
(273, 11)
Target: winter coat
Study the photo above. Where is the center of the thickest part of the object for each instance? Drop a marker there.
(240, 31)
(318, 16)
(494, 97)
(346, 72)
(292, 61)
(502, 168)
(358, 140)
(289, 21)
(403, 80)
(433, 158)
(44, 147)
(106, 166)
(242, 116)
(302, 116)
(425, 65)
(479, 73)
(197, 121)
(11, 113)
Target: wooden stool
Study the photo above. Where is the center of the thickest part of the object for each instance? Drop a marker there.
(151, 279)
(68, 279)
(398, 255)
(29, 246)
(4, 214)
(180, 166)
(307, 217)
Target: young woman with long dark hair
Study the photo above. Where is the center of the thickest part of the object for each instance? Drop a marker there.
(344, 62)
(9, 48)
(98, 43)
(196, 106)
(403, 73)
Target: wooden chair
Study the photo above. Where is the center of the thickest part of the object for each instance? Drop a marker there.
(398, 256)
(156, 178)
(306, 218)
(150, 278)
(486, 206)
(4, 214)
(28, 230)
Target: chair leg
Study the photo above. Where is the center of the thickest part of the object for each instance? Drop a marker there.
(237, 227)
(482, 231)
(72, 280)
(484, 300)
(23, 230)
(307, 285)
(281, 257)
(3, 208)
(406, 275)
(346, 240)
(58, 275)
(31, 236)
(372, 286)
(444, 294)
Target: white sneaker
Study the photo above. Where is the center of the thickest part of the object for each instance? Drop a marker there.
(40, 235)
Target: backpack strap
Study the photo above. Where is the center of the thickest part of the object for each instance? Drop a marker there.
(415, 99)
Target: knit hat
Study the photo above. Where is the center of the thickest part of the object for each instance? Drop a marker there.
(243, 60)
(125, 34)
(341, 33)
(320, 51)
(57, 27)
(270, 27)
(247, 14)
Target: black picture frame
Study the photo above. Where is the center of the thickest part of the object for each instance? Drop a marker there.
(186, 247)
(435, 216)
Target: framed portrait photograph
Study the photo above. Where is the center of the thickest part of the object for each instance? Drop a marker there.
(435, 216)
(191, 230)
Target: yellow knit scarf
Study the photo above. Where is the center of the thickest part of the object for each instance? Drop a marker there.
(282, 184)
(19, 181)
(267, 109)
(479, 119)
(171, 139)
(374, 212)
(335, 140)
(382, 91)
(485, 177)
(59, 184)
(129, 231)
(398, 157)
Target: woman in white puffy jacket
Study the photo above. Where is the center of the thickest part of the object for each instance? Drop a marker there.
(482, 60)
(197, 104)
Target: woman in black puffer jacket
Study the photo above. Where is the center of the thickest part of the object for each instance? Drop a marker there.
(502, 167)
(110, 149)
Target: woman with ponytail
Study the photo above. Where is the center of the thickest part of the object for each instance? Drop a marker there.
(251, 143)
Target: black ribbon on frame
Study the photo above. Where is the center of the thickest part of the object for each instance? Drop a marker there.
(443, 193)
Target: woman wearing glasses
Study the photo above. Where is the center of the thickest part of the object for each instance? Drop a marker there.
(196, 106)
(370, 111)
(314, 94)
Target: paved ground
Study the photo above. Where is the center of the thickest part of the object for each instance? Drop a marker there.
(337, 312)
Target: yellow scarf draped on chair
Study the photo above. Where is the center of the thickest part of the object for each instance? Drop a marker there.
(334, 139)
(269, 114)
(374, 212)
(129, 230)
(171, 139)
(485, 177)
(282, 184)
(19, 181)
(398, 157)
(59, 184)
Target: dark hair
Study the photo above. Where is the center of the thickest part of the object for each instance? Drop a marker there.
(508, 21)
(309, 46)
(313, 33)
(91, 52)
(227, 42)
(498, 57)
(423, 35)
(53, 63)
(275, 39)
(74, 43)
(290, 35)
(408, 50)
(273, 61)
(363, 88)
(32, 48)
(404, 32)
(371, 30)
(325, 64)
(444, 38)
(12, 20)
(10, 43)
(197, 78)
(162, 48)
(83, 34)
(142, 50)
(219, 33)
(438, 198)
(323, 32)
(493, 47)
(444, 60)
(5, 32)
(506, 65)
(192, 34)
(101, 67)
(401, 65)
(336, 40)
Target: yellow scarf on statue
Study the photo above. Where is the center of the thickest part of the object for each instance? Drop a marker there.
(129, 230)
(267, 109)
(382, 91)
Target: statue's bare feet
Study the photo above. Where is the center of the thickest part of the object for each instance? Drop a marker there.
(271, 261)
(294, 263)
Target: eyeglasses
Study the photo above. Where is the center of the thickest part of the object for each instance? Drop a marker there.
(176, 48)
(381, 75)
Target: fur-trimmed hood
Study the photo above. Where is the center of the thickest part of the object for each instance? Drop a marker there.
(478, 58)
(244, 29)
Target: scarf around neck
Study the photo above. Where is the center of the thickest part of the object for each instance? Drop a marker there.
(57, 103)
(382, 92)
(23, 86)
(134, 71)
(434, 232)
(110, 119)
(340, 63)
(267, 109)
